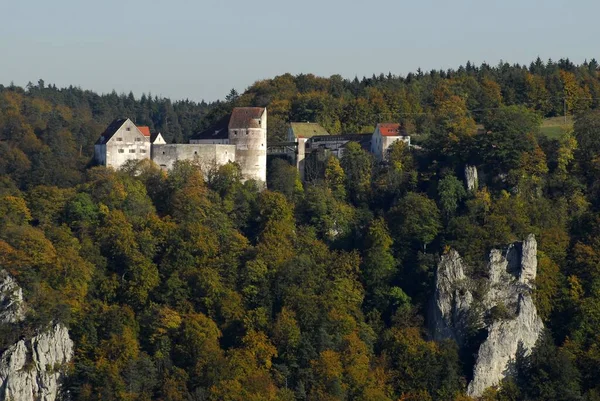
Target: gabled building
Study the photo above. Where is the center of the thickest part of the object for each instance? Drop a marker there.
(384, 135)
(120, 142)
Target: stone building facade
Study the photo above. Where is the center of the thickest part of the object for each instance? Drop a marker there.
(384, 135)
(241, 138)
(120, 142)
(246, 130)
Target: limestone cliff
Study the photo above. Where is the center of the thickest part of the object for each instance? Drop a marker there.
(471, 178)
(32, 368)
(11, 300)
(505, 311)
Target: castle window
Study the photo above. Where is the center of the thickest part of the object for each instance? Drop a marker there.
(119, 139)
(131, 150)
(138, 139)
(195, 152)
(143, 151)
(163, 153)
(121, 150)
(128, 129)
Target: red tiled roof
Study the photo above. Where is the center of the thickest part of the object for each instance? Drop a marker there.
(246, 117)
(145, 130)
(389, 129)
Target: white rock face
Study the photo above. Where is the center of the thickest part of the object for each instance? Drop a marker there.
(32, 368)
(471, 178)
(507, 295)
(12, 308)
(452, 299)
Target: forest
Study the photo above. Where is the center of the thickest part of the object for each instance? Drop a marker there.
(193, 285)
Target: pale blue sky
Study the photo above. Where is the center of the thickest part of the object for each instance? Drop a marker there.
(201, 49)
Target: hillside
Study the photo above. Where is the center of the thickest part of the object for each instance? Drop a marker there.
(469, 266)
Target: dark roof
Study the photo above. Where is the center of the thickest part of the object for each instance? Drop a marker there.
(364, 140)
(153, 136)
(246, 117)
(110, 130)
(219, 130)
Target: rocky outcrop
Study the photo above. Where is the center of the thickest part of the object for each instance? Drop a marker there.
(12, 308)
(33, 368)
(471, 178)
(452, 300)
(505, 310)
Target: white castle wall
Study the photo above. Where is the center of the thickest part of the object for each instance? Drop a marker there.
(208, 156)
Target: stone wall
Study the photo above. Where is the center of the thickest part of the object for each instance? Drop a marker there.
(207, 156)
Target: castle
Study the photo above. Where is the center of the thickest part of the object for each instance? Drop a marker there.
(241, 137)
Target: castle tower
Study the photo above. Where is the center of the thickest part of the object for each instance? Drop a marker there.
(248, 132)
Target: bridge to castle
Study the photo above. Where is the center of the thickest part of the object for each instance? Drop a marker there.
(330, 142)
(288, 149)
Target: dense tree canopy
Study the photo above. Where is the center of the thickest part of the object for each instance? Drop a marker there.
(192, 286)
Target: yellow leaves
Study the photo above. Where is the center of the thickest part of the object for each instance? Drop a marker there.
(411, 341)
(286, 332)
(577, 97)
(276, 243)
(355, 358)
(200, 335)
(422, 395)
(588, 259)
(343, 322)
(36, 248)
(328, 366)
(534, 162)
(14, 210)
(576, 291)
(260, 347)
(167, 319)
(279, 107)
(120, 348)
(566, 152)
(65, 112)
(10, 101)
(547, 282)
(453, 117)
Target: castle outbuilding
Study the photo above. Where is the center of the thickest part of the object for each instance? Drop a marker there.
(384, 135)
(120, 142)
(241, 138)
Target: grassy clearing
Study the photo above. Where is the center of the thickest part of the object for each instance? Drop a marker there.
(553, 127)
